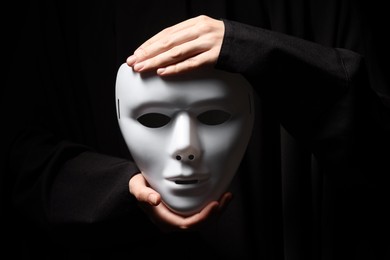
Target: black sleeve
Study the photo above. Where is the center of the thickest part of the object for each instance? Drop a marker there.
(321, 95)
(60, 182)
(303, 77)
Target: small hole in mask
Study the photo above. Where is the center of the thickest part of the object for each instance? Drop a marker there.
(178, 157)
(191, 157)
(154, 120)
(214, 117)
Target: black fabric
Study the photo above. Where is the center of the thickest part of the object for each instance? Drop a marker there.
(313, 184)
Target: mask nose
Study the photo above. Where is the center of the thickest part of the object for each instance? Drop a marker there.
(184, 146)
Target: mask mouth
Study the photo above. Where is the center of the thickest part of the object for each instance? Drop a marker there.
(186, 182)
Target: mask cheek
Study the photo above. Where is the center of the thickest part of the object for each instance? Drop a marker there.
(225, 145)
(147, 147)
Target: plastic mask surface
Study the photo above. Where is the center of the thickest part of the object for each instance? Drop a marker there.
(186, 133)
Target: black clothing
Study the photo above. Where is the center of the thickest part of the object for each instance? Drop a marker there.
(311, 186)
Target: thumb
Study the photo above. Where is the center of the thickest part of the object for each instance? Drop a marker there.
(139, 187)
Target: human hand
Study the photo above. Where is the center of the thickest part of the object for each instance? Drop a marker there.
(187, 45)
(164, 218)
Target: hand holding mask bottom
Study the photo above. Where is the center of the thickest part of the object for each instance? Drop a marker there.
(187, 133)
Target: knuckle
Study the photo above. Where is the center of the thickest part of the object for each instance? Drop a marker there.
(186, 65)
(204, 25)
(205, 28)
(176, 53)
(166, 43)
(203, 18)
(191, 63)
(167, 30)
(141, 53)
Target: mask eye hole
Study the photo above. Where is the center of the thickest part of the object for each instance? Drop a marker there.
(214, 117)
(154, 120)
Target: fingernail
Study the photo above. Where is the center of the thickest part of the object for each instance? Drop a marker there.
(160, 70)
(138, 66)
(131, 60)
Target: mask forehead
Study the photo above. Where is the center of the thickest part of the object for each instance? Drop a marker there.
(137, 91)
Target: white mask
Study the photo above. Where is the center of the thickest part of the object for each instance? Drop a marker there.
(187, 133)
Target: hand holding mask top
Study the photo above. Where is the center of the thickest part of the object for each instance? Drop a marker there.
(187, 133)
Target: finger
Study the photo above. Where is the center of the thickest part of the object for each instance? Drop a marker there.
(136, 182)
(173, 36)
(141, 190)
(154, 49)
(168, 48)
(212, 211)
(171, 41)
(225, 200)
(187, 64)
(167, 219)
(201, 217)
(177, 221)
(175, 55)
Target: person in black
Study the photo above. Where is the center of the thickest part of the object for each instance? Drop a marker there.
(313, 184)
(321, 97)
